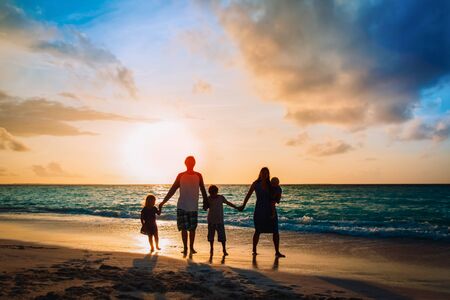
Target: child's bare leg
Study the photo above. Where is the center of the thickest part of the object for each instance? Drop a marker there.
(211, 249)
(157, 240)
(224, 248)
(150, 240)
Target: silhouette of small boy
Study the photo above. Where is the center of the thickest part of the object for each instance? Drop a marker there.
(215, 218)
(148, 221)
(276, 194)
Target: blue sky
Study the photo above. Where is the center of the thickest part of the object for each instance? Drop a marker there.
(75, 13)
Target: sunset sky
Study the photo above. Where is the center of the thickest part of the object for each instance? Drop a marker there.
(318, 91)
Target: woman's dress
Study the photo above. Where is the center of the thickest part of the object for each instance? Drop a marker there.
(262, 217)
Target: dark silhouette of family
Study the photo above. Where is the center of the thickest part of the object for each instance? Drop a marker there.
(268, 194)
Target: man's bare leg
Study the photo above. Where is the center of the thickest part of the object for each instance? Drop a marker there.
(184, 235)
(191, 241)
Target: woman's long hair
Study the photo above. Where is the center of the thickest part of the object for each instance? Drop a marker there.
(266, 180)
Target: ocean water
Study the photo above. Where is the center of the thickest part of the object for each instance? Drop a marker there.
(414, 211)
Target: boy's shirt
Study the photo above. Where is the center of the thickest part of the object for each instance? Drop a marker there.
(215, 211)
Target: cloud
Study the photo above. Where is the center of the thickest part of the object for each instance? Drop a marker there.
(331, 147)
(370, 159)
(301, 139)
(208, 44)
(417, 130)
(69, 95)
(201, 87)
(53, 169)
(8, 142)
(311, 147)
(39, 116)
(80, 49)
(69, 47)
(5, 172)
(81, 97)
(346, 115)
(352, 64)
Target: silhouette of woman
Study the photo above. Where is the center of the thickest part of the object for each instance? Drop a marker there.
(263, 219)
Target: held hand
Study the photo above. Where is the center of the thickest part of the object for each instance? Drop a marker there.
(160, 206)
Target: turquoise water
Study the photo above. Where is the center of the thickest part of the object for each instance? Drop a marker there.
(415, 211)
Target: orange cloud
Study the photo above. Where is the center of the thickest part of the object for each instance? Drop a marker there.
(310, 147)
(5, 172)
(301, 139)
(331, 147)
(201, 87)
(8, 142)
(39, 116)
(52, 169)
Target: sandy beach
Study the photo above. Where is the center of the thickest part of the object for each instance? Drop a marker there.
(54, 257)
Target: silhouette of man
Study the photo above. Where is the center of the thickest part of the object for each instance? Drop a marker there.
(189, 183)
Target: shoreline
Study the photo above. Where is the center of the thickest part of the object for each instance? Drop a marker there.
(394, 238)
(402, 267)
(219, 184)
(332, 235)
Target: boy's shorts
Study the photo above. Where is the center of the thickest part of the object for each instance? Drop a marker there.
(221, 237)
(186, 220)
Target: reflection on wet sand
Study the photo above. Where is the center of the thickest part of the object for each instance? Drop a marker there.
(275, 265)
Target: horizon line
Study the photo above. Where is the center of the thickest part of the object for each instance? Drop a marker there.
(285, 184)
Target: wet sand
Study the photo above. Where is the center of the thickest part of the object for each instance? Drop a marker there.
(71, 257)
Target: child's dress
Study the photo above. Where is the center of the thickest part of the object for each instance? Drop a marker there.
(148, 215)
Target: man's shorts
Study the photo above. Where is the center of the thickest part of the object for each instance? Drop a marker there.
(186, 220)
(220, 228)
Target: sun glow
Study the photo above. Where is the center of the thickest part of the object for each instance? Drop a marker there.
(143, 246)
(155, 153)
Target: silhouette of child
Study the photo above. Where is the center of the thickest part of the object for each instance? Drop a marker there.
(215, 218)
(276, 194)
(148, 221)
